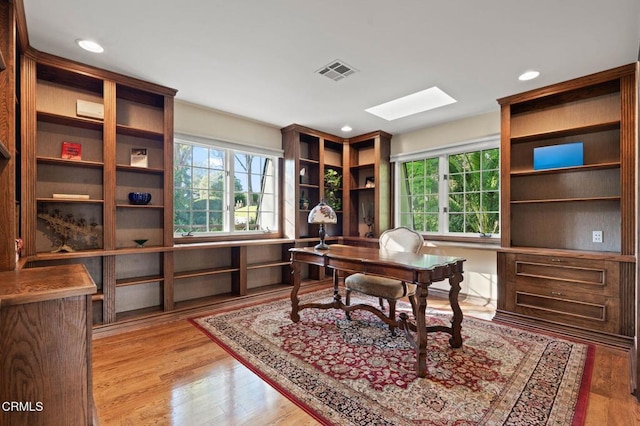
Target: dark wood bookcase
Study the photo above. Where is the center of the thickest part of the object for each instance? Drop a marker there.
(551, 274)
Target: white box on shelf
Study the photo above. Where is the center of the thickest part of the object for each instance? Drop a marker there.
(89, 109)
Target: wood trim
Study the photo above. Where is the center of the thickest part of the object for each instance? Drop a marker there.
(168, 270)
(109, 159)
(168, 170)
(576, 83)
(21, 26)
(628, 142)
(505, 177)
(537, 325)
(317, 133)
(98, 73)
(371, 135)
(8, 226)
(109, 289)
(28, 123)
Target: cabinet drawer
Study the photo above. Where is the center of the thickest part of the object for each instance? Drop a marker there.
(578, 292)
(592, 312)
(564, 274)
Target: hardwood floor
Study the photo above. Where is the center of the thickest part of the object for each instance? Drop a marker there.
(172, 374)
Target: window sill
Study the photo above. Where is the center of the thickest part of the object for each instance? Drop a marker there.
(226, 237)
(476, 243)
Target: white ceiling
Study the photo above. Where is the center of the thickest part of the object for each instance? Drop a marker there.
(258, 58)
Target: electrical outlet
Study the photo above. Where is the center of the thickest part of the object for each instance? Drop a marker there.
(597, 236)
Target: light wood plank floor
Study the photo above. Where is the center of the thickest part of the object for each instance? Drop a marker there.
(172, 374)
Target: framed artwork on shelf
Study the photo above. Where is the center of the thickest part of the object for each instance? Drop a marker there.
(139, 157)
(71, 151)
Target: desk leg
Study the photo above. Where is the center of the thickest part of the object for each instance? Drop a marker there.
(295, 278)
(336, 291)
(421, 332)
(456, 322)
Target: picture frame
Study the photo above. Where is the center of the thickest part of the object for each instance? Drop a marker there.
(369, 182)
(139, 157)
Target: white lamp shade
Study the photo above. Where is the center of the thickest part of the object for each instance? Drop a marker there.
(322, 213)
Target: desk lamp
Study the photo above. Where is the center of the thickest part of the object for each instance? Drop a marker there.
(321, 214)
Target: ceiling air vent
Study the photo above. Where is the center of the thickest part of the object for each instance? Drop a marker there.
(336, 70)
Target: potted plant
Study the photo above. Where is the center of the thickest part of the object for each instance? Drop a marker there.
(332, 185)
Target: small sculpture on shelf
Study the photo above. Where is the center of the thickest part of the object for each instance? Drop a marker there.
(304, 202)
(140, 243)
(66, 229)
(367, 217)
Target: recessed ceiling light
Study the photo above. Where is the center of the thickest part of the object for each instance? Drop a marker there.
(89, 45)
(417, 102)
(528, 75)
(346, 128)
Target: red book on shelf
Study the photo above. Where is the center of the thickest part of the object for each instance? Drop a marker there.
(71, 151)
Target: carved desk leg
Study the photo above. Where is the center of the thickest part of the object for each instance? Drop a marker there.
(295, 277)
(421, 333)
(456, 322)
(337, 302)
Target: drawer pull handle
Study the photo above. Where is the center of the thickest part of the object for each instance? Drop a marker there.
(556, 293)
(557, 260)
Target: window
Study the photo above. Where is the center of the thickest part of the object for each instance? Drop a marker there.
(450, 191)
(223, 188)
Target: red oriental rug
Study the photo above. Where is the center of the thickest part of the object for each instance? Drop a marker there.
(356, 373)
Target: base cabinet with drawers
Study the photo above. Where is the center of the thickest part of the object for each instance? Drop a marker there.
(589, 296)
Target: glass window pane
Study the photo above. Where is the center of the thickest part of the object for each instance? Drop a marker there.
(472, 182)
(491, 159)
(490, 180)
(456, 183)
(490, 201)
(456, 223)
(202, 189)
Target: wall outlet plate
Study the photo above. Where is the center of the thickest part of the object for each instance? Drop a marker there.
(597, 236)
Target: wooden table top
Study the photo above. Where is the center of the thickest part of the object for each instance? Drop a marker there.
(414, 261)
(46, 283)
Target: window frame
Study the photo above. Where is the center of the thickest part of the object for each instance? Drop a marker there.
(231, 149)
(443, 153)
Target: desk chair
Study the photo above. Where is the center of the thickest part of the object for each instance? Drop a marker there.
(398, 239)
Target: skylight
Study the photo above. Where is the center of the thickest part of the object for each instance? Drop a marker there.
(417, 102)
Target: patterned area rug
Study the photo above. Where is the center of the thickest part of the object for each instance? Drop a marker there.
(356, 373)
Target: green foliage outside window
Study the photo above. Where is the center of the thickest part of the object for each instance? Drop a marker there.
(200, 204)
(473, 185)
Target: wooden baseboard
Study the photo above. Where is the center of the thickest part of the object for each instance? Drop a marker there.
(124, 326)
(539, 325)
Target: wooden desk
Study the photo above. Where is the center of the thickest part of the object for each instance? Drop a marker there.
(418, 269)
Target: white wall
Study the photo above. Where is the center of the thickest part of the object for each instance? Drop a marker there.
(196, 120)
(454, 132)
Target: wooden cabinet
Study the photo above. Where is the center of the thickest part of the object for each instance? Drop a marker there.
(362, 163)
(551, 272)
(45, 339)
(136, 282)
(309, 155)
(582, 292)
(75, 208)
(368, 183)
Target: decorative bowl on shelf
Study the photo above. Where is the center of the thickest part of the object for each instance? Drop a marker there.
(140, 243)
(139, 198)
